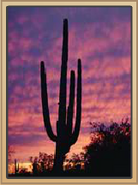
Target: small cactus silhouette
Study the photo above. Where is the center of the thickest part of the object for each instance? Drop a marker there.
(16, 167)
(66, 135)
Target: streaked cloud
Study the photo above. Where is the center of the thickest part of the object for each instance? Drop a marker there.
(100, 36)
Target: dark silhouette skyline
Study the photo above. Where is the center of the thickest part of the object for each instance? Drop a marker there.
(100, 36)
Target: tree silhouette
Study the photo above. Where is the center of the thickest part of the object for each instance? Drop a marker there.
(34, 161)
(42, 164)
(46, 161)
(109, 153)
(76, 160)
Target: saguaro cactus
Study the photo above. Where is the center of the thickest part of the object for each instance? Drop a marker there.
(16, 167)
(66, 135)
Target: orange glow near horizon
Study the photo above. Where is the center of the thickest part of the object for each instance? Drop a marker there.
(104, 45)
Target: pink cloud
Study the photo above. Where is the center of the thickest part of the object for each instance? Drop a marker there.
(102, 101)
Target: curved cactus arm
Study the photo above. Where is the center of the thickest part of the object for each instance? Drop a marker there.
(63, 79)
(45, 104)
(75, 133)
(71, 103)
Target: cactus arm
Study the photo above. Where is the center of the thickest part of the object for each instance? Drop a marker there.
(45, 104)
(75, 133)
(71, 103)
(63, 79)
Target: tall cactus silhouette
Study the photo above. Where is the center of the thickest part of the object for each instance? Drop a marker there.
(66, 134)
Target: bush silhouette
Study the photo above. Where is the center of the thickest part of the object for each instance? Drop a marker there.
(109, 153)
(42, 164)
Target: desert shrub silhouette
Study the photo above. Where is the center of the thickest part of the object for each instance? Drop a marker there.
(66, 136)
(109, 153)
(42, 164)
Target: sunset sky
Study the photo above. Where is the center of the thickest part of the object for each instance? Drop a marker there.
(100, 36)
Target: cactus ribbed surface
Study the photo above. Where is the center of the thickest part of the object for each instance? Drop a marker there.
(66, 135)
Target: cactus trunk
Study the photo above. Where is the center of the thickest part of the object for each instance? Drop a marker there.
(58, 159)
(66, 136)
(16, 167)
